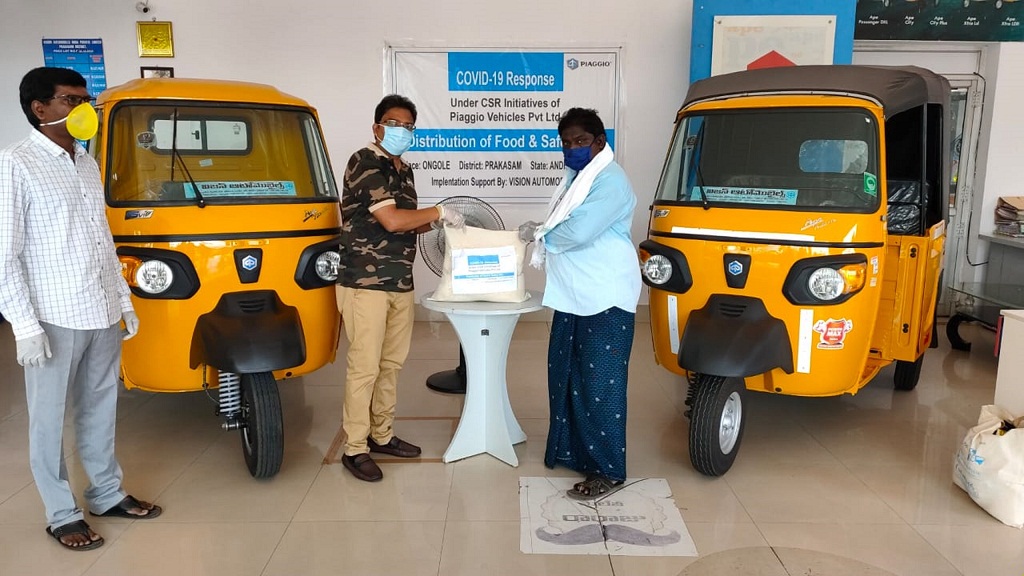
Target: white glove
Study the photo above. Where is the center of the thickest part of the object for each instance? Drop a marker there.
(34, 350)
(451, 217)
(131, 323)
(527, 231)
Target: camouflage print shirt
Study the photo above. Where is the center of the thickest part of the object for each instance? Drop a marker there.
(371, 257)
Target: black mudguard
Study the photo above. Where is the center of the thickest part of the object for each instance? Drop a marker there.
(734, 336)
(247, 333)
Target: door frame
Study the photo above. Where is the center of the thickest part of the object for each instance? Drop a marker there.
(962, 64)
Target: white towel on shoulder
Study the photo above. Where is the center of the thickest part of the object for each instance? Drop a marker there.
(563, 201)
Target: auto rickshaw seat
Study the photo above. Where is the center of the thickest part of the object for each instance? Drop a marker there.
(906, 206)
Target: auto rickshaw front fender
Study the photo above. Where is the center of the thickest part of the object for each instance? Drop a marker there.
(734, 336)
(249, 332)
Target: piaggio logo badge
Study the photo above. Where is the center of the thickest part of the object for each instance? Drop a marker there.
(250, 262)
(573, 63)
(735, 268)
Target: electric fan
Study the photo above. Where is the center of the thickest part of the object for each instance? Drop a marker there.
(478, 214)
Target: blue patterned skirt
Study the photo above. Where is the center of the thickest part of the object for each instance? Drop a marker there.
(588, 364)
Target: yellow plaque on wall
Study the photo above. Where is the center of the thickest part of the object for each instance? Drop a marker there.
(155, 39)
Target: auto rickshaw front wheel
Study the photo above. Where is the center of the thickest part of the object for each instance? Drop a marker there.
(262, 425)
(716, 422)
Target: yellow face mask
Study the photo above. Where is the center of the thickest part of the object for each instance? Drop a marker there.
(82, 122)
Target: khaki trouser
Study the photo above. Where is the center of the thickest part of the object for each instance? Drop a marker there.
(378, 326)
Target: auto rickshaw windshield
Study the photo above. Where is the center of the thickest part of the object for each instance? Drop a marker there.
(232, 154)
(787, 158)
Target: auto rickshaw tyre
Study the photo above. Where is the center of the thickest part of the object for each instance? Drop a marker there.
(263, 430)
(716, 423)
(907, 374)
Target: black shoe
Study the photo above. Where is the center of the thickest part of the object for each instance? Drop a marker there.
(395, 447)
(363, 467)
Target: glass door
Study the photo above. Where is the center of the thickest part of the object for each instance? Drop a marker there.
(966, 98)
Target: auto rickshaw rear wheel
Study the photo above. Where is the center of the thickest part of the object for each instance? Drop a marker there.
(716, 423)
(263, 428)
(907, 374)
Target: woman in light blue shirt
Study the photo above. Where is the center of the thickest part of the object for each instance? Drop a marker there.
(593, 284)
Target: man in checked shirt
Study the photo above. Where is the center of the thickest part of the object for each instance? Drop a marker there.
(62, 291)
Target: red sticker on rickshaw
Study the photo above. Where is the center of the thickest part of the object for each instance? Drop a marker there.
(833, 333)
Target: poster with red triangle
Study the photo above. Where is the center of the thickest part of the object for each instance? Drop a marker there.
(770, 60)
(751, 42)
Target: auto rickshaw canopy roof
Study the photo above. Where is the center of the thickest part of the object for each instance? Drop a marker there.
(199, 90)
(897, 88)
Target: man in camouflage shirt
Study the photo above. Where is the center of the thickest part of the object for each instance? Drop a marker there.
(380, 222)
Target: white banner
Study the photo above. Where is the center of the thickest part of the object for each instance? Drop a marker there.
(487, 121)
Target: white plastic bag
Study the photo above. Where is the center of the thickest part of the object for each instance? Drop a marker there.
(990, 467)
(482, 266)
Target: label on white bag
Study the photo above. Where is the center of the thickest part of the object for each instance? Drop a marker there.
(483, 270)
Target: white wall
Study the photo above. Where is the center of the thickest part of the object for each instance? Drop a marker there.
(331, 54)
(1000, 153)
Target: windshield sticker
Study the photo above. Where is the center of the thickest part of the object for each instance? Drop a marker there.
(870, 184)
(250, 188)
(832, 333)
(745, 195)
(145, 140)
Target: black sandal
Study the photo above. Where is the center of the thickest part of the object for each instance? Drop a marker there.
(595, 486)
(123, 509)
(71, 529)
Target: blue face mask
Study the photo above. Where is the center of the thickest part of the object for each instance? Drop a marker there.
(577, 158)
(396, 141)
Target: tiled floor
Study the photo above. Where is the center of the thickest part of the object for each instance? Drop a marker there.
(838, 486)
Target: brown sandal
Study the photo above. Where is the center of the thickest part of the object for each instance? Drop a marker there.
(595, 486)
(74, 528)
(123, 509)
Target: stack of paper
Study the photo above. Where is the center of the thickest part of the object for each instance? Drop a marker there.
(1010, 216)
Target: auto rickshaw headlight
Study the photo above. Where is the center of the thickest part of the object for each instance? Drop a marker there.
(826, 284)
(154, 277)
(831, 283)
(657, 269)
(825, 280)
(327, 265)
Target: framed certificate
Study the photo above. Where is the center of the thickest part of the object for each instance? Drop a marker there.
(155, 39)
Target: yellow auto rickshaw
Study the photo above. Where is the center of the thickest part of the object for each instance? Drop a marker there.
(225, 214)
(796, 238)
